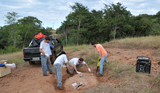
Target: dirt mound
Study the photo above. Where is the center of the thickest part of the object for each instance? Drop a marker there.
(85, 78)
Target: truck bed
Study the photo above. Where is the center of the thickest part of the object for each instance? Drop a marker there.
(31, 54)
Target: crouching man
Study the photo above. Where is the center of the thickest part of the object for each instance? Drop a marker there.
(76, 63)
(58, 64)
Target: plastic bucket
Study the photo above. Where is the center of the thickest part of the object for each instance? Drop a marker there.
(13, 66)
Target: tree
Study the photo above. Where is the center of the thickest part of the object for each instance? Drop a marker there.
(155, 29)
(30, 26)
(115, 16)
(78, 16)
(11, 20)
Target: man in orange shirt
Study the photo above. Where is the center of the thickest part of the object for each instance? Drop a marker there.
(103, 54)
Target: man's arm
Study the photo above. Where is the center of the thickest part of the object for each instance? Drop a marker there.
(75, 67)
(41, 51)
(99, 53)
(87, 65)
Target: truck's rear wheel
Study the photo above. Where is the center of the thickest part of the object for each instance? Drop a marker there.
(53, 58)
(31, 62)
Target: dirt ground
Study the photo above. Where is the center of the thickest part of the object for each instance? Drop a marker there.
(29, 79)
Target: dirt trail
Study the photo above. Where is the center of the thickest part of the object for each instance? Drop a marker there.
(29, 79)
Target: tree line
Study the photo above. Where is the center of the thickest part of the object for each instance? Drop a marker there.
(112, 22)
(19, 32)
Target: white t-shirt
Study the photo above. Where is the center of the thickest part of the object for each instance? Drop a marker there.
(61, 59)
(75, 61)
(45, 47)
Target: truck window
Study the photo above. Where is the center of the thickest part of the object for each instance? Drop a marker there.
(55, 42)
(58, 41)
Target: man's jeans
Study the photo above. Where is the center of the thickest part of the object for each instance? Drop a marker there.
(58, 72)
(103, 59)
(44, 63)
(72, 67)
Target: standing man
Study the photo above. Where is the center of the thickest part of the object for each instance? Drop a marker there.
(58, 64)
(103, 54)
(76, 63)
(45, 56)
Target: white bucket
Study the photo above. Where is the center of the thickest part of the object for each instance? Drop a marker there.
(13, 66)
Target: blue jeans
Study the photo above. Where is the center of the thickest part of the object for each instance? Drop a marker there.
(58, 72)
(103, 59)
(45, 63)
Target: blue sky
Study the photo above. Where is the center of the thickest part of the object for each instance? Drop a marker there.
(53, 12)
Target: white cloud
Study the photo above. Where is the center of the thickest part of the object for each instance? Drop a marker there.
(152, 11)
(142, 5)
(102, 1)
(62, 8)
(52, 11)
(70, 3)
(135, 1)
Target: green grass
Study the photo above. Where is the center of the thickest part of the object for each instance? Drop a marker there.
(9, 49)
(129, 80)
(92, 58)
(16, 57)
(77, 48)
(85, 52)
(136, 42)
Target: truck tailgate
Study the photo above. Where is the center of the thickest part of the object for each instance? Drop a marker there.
(31, 54)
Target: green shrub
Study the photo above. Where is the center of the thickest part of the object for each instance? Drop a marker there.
(9, 49)
(2, 51)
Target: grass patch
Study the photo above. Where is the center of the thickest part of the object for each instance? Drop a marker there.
(129, 80)
(77, 48)
(9, 49)
(155, 83)
(116, 69)
(16, 58)
(92, 58)
(83, 53)
(136, 42)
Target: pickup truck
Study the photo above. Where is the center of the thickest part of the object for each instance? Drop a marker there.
(32, 53)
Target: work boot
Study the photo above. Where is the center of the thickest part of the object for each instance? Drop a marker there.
(61, 88)
(99, 75)
(71, 75)
(45, 75)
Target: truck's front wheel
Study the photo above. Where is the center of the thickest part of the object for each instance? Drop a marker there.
(53, 58)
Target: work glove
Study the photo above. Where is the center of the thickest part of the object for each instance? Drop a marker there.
(79, 72)
(89, 69)
(47, 55)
